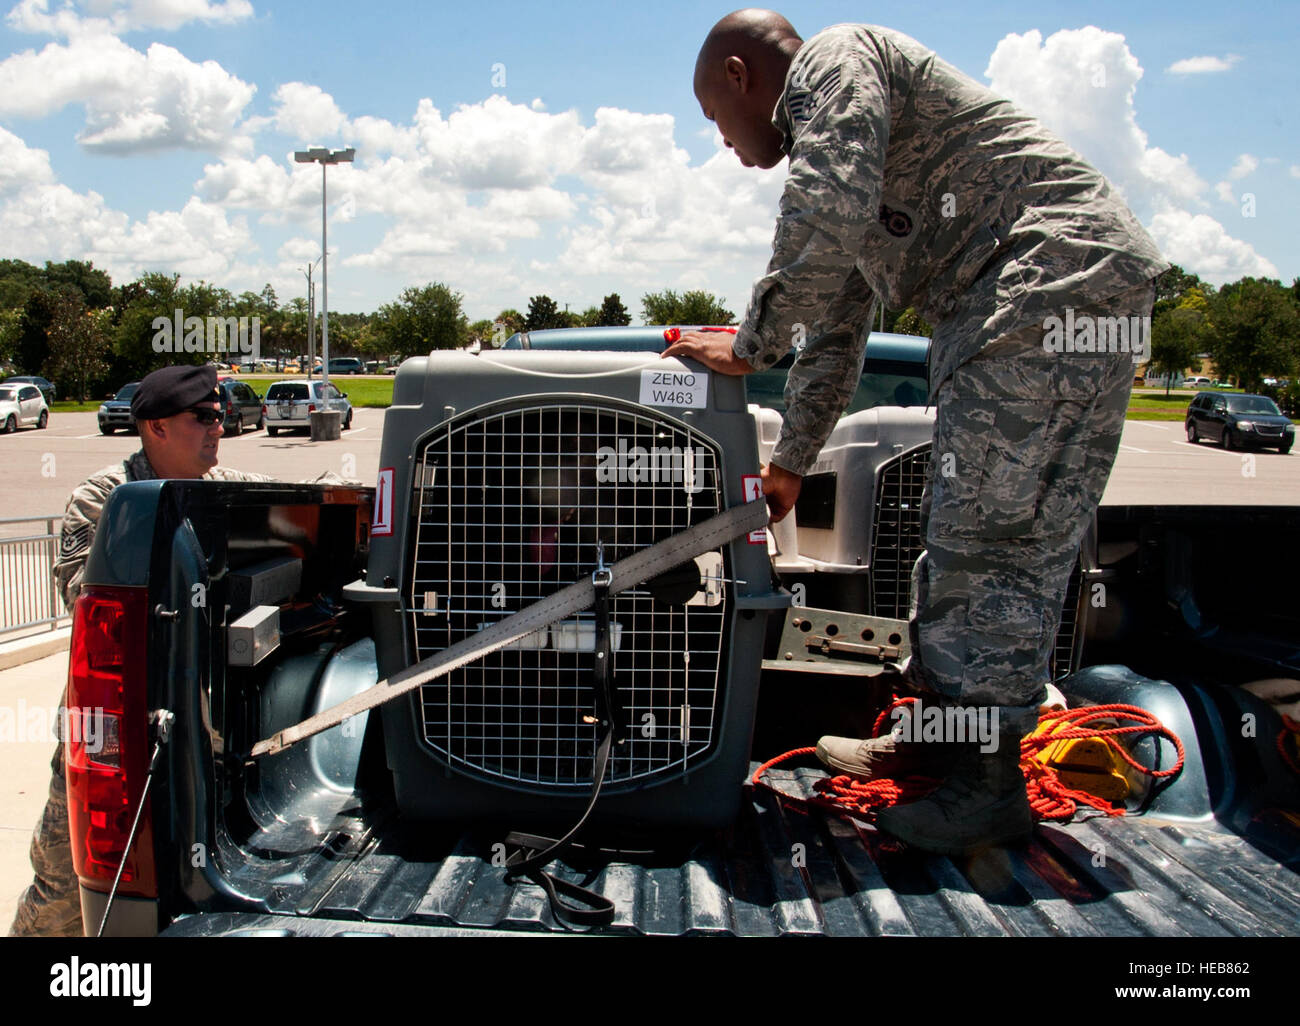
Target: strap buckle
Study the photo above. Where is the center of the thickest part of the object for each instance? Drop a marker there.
(602, 576)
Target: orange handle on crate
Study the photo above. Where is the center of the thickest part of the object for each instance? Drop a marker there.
(672, 335)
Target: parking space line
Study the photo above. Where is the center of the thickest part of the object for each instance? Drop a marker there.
(1132, 448)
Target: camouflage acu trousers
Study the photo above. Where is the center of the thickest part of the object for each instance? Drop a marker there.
(1024, 442)
(51, 906)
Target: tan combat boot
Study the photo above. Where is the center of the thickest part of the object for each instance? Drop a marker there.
(885, 757)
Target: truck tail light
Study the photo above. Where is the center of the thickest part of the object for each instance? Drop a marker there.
(311, 407)
(106, 748)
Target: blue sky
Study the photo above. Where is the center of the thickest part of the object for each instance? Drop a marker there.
(510, 149)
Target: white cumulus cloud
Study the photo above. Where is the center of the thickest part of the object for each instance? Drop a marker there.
(1197, 242)
(134, 101)
(1203, 65)
(1082, 84)
(42, 219)
(1245, 165)
(120, 16)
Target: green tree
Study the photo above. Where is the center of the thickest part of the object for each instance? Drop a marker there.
(613, 313)
(423, 318)
(1255, 326)
(692, 307)
(1177, 336)
(139, 345)
(32, 345)
(9, 335)
(1172, 286)
(79, 344)
(293, 327)
(910, 322)
(512, 320)
(482, 331)
(94, 286)
(543, 313)
(18, 280)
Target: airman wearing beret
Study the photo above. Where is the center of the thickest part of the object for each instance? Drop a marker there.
(178, 414)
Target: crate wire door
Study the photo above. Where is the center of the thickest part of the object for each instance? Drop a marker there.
(510, 507)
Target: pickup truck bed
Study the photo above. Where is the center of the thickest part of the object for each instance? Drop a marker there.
(1197, 603)
(1160, 878)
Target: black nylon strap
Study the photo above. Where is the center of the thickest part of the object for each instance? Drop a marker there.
(607, 707)
(529, 863)
(595, 909)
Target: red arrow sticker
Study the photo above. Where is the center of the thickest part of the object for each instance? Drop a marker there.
(751, 486)
(382, 522)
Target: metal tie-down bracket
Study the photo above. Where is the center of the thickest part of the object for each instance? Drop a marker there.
(834, 641)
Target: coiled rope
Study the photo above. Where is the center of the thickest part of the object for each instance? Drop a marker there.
(1049, 798)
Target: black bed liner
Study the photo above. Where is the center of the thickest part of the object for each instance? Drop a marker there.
(1128, 876)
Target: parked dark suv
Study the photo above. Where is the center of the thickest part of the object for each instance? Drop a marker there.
(243, 406)
(116, 412)
(1236, 421)
(47, 387)
(347, 365)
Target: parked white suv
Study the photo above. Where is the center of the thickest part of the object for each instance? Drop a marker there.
(289, 404)
(22, 405)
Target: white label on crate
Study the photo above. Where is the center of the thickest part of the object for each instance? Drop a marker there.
(751, 486)
(677, 388)
(382, 521)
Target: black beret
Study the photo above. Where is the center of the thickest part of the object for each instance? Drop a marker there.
(173, 390)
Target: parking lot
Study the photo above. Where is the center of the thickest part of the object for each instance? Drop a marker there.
(1156, 464)
(40, 468)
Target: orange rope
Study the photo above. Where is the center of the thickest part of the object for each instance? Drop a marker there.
(1049, 798)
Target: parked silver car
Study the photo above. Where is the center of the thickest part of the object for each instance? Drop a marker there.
(289, 404)
(22, 405)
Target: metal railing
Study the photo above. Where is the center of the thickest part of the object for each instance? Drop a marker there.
(28, 595)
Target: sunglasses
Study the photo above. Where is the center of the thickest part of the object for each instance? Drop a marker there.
(207, 417)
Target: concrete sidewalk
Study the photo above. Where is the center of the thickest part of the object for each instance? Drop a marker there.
(29, 695)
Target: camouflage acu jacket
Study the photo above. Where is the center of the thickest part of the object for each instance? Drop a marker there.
(86, 504)
(912, 184)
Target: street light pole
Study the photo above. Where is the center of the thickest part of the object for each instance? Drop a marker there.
(325, 157)
(324, 291)
(311, 319)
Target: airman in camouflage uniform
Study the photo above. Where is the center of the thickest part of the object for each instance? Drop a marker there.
(51, 906)
(911, 184)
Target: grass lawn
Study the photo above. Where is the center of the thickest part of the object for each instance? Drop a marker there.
(361, 391)
(1158, 406)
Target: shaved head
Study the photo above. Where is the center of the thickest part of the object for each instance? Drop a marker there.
(763, 39)
(739, 77)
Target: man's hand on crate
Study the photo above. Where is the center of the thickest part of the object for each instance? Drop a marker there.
(781, 487)
(711, 348)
